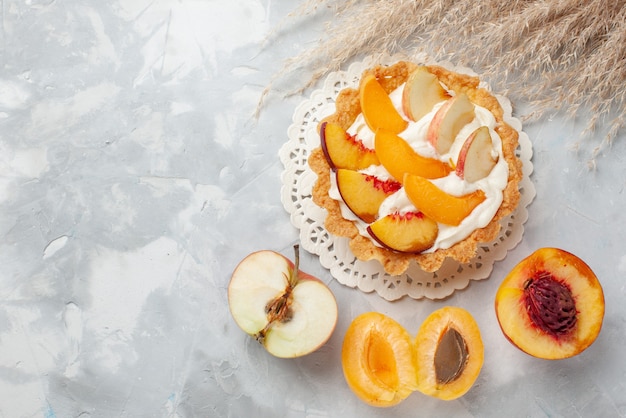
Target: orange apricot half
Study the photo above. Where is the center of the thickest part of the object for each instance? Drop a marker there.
(438, 204)
(378, 361)
(377, 107)
(450, 353)
(551, 305)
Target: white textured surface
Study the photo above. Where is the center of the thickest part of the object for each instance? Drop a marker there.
(133, 178)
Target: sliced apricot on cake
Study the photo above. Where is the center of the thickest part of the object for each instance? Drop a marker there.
(343, 150)
(399, 158)
(364, 193)
(439, 205)
(410, 232)
(449, 352)
(378, 361)
(377, 108)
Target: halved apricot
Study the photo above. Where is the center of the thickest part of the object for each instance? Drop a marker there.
(364, 193)
(378, 361)
(449, 352)
(439, 205)
(389, 147)
(551, 305)
(377, 107)
(343, 150)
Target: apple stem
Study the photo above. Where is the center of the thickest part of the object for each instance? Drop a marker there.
(296, 265)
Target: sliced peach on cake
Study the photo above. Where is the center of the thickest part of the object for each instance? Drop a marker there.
(377, 107)
(439, 205)
(551, 305)
(378, 361)
(448, 122)
(477, 157)
(343, 150)
(410, 232)
(449, 352)
(422, 91)
(398, 158)
(364, 193)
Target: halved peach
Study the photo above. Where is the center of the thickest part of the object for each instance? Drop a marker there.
(378, 361)
(343, 150)
(551, 305)
(448, 122)
(438, 204)
(421, 92)
(398, 158)
(449, 353)
(411, 232)
(364, 193)
(377, 107)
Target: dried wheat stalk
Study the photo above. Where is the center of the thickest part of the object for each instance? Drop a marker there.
(566, 55)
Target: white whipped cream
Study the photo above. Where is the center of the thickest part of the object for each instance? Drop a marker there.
(415, 134)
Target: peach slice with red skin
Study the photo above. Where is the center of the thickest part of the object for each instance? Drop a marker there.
(421, 92)
(377, 108)
(398, 158)
(343, 150)
(438, 204)
(476, 158)
(450, 353)
(551, 305)
(364, 193)
(448, 122)
(411, 232)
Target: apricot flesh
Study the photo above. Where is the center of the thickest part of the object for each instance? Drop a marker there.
(551, 305)
(439, 205)
(449, 352)
(377, 108)
(377, 360)
(389, 147)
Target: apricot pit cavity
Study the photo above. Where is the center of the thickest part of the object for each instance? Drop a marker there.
(450, 357)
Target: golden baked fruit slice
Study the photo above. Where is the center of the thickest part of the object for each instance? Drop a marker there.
(422, 91)
(551, 305)
(343, 150)
(363, 193)
(438, 204)
(411, 232)
(398, 158)
(449, 352)
(378, 360)
(377, 108)
(448, 122)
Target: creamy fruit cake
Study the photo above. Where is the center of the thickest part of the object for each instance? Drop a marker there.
(417, 163)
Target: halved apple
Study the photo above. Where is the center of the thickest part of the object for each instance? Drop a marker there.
(377, 107)
(412, 232)
(421, 93)
(343, 150)
(448, 122)
(477, 157)
(398, 158)
(364, 193)
(438, 204)
(289, 312)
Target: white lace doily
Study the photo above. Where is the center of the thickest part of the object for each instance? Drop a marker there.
(334, 252)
